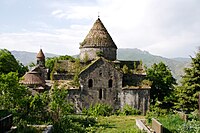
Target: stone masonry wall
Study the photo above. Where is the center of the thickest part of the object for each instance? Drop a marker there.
(108, 53)
(137, 98)
(100, 91)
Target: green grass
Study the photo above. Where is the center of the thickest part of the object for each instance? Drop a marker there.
(116, 124)
(171, 122)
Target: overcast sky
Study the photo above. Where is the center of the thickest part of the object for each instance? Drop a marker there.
(169, 28)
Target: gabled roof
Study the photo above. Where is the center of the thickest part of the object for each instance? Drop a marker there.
(97, 63)
(40, 54)
(32, 78)
(98, 36)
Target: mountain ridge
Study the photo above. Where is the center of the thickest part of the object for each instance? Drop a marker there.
(176, 65)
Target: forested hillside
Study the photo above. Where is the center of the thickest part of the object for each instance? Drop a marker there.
(176, 65)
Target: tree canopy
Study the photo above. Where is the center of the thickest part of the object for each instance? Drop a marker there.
(187, 93)
(162, 83)
(8, 63)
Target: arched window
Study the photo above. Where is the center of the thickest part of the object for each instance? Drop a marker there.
(100, 94)
(100, 73)
(90, 83)
(110, 83)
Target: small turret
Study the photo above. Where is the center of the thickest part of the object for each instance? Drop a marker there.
(41, 58)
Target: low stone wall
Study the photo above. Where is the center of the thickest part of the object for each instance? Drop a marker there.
(6, 123)
(141, 125)
(157, 126)
(47, 128)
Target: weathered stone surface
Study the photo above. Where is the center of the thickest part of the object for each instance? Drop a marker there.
(157, 126)
(141, 125)
(100, 73)
(91, 53)
(101, 82)
(137, 98)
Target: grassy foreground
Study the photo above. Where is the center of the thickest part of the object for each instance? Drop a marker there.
(85, 124)
(116, 124)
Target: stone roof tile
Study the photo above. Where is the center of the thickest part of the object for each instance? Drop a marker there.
(32, 78)
(40, 54)
(98, 36)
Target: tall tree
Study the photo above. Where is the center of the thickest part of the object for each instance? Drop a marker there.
(187, 92)
(162, 84)
(8, 63)
(59, 105)
(13, 96)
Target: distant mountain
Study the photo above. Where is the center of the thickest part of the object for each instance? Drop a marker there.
(182, 59)
(176, 65)
(27, 57)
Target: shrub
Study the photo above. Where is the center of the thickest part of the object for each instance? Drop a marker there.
(74, 124)
(128, 110)
(192, 126)
(23, 128)
(156, 112)
(194, 115)
(99, 110)
(171, 122)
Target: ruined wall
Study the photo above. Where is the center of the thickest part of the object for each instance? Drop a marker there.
(108, 53)
(133, 79)
(137, 98)
(101, 84)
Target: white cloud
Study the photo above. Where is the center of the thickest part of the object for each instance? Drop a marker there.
(59, 13)
(56, 12)
(168, 28)
(60, 41)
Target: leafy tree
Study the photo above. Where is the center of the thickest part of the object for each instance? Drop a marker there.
(162, 84)
(38, 112)
(59, 105)
(187, 93)
(14, 97)
(22, 69)
(8, 63)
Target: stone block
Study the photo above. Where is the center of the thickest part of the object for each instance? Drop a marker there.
(157, 126)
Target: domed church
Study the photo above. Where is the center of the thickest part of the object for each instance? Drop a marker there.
(101, 77)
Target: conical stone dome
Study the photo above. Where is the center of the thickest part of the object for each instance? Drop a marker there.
(40, 54)
(98, 36)
(40, 58)
(98, 42)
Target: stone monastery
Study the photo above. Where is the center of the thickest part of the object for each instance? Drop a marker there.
(101, 78)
